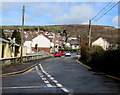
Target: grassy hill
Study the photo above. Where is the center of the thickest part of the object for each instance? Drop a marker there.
(108, 32)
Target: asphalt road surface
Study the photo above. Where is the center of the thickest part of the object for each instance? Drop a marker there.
(59, 75)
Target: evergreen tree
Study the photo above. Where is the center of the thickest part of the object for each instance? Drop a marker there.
(66, 35)
(2, 34)
(17, 36)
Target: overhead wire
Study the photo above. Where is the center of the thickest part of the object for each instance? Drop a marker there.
(102, 10)
(106, 11)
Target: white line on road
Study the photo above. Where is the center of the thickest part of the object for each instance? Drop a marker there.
(49, 85)
(59, 85)
(22, 87)
(46, 81)
(48, 75)
(26, 87)
(36, 68)
(55, 81)
(51, 78)
(43, 78)
(64, 89)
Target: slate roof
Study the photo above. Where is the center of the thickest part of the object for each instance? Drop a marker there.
(29, 38)
(74, 43)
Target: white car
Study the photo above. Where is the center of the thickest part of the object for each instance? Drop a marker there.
(67, 53)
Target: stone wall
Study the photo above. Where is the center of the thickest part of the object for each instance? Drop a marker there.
(9, 61)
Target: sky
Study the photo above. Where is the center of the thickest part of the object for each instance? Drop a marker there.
(57, 13)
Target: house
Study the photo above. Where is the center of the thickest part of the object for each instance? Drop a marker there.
(75, 44)
(57, 44)
(101, 42)
(72, 38)
(27, 44)
(40, 42)
(8, 48)
(52, 49)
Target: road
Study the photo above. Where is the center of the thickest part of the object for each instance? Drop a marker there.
(60, 75)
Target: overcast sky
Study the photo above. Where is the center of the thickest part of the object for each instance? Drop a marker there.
(56, 13)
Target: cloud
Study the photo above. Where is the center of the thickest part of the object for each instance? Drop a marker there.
(42, 13)
(48, 9)
(77, 14)
(6, 7)
(116, 21)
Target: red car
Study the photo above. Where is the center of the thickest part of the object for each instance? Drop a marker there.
(57, 54)
(63, 53)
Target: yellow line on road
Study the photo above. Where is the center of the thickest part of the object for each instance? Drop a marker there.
(18, 74)
(84, 64)
(113, 77)
(99, 72)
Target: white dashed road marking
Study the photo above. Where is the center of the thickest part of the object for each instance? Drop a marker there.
(43, 78)
(49, 85)
(59, 85)
(53, 80)
(46, 82)
(64, 89)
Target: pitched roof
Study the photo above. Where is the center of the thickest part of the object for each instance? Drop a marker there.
(74, 43)
(29, 38)
(100, 41)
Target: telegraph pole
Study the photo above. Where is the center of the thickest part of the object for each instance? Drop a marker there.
(89, 33)
(23, 11)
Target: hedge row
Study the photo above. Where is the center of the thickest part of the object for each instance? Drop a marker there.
(106, 61)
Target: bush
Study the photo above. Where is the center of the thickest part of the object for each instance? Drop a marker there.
(107, 61)
(94, 53)
(112, 61)
(68, 49)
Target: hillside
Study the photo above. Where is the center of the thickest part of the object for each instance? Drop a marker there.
(108, 32)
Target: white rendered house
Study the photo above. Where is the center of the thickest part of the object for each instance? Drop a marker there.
(101, 42)
(43, 43)
(28, 44)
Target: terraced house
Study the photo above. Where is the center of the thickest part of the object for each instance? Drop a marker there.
(8, 48)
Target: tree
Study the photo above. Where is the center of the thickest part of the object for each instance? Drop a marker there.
(17, 36)
(66, 35)
(3, 35)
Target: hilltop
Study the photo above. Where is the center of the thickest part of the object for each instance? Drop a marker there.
(108, 32)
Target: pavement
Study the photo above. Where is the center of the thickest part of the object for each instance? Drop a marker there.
(19, 68)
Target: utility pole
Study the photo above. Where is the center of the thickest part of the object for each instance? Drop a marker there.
(23, 10)
(89, 33)
(38, 29)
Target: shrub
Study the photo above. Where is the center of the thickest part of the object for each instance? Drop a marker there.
(94, 53)
(107, 61)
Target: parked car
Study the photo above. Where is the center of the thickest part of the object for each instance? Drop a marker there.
(63, 53)
(78, 53)
(72, 52)
(57, 54)
(67, 53)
